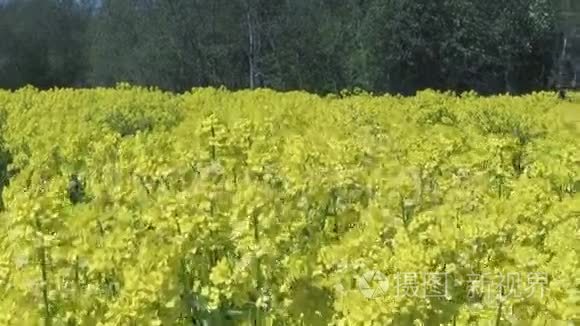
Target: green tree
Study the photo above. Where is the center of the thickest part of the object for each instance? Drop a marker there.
(398, 46)
(43, 43)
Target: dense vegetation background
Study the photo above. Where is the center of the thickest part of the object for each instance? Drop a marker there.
(396, 46)
(136, 206)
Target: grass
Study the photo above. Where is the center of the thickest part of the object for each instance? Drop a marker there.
(570, 109)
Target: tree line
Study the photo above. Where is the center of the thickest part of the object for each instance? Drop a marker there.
(395, 46)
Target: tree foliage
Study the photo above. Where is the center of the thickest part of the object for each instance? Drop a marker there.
(395, 46)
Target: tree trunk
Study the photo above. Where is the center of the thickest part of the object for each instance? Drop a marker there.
(250, 15)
